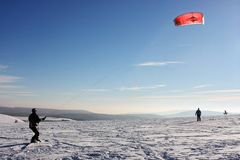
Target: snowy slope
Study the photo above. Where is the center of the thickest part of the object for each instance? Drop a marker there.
(5, 119)
(169, 139)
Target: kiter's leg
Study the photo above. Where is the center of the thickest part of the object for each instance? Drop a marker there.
(35, 137)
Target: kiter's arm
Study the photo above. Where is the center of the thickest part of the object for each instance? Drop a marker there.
(42, 119)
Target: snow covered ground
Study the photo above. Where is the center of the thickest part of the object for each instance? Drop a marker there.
(9, 119)
(169, 139)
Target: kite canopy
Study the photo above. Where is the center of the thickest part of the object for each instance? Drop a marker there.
(189, 19)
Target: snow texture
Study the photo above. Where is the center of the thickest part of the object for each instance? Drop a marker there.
(161, 139)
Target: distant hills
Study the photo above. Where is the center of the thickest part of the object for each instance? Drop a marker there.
(190, 113)
(84, 115)
(73, 114)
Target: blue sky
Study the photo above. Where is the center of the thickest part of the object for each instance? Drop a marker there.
(114, 56)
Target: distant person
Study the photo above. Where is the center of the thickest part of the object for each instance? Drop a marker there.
(34, 120)
(225, 113)
(198, 114)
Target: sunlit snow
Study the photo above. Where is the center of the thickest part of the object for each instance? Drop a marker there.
(169, 139)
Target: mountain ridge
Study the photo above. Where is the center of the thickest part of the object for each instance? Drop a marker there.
(73, 114)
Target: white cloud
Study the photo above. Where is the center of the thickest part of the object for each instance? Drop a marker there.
(17, 93)
(166, 97)
(8, 79)
(67, 93)
(156, 64)
(139, 88)
(10, 86)
(3, 67)
(24, 93)
(220, 91)
(201, 86)
(95, 90)
(176, 91)
(224, 95)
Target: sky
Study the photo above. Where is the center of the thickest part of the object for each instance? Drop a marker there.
(113, 56)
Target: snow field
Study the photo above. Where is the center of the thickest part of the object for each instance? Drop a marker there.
(168, 139)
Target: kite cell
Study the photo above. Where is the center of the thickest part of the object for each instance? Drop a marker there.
(190, 18)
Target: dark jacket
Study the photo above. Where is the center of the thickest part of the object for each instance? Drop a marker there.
(33, 120)
(198, 113)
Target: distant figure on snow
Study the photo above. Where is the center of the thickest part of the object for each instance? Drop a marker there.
(33, 123)
(225, 113)
(198, 114)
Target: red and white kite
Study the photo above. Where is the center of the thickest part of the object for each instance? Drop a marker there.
(189, 19)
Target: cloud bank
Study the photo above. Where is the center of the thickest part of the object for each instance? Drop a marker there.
(157, 64)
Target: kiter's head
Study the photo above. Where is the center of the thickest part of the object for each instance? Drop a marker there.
(34, 110)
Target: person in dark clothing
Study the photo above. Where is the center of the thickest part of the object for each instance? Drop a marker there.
(33, 123)
(198, 114)
(225, 113)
